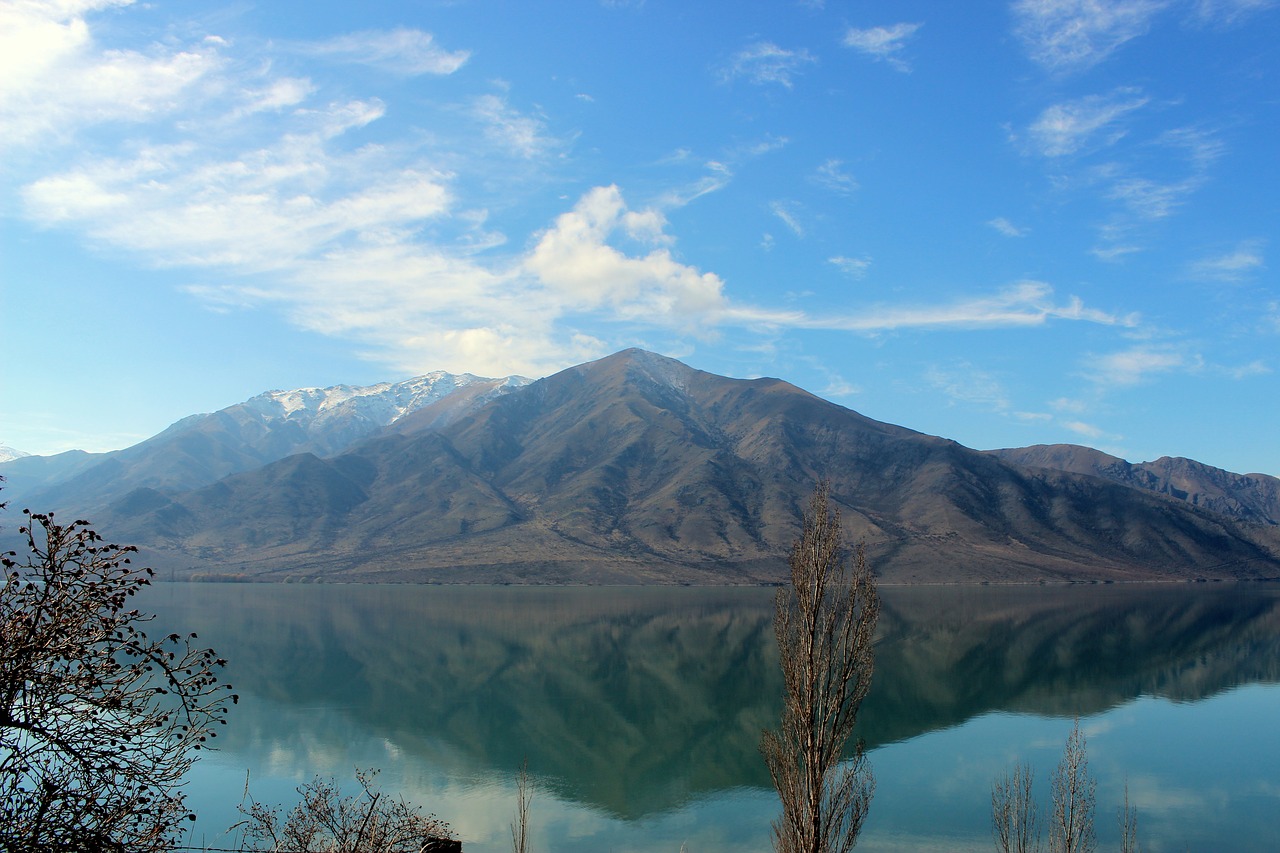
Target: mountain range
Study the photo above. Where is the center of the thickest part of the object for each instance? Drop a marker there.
(634, 469)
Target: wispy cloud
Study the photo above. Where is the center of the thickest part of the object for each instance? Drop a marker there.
(832, 176)
(521, 134)
(400, 51)
(1007, 228)
(1068, 35)
(788, 213)
(1235, 265)
(882, 43)
(1067, 127)
(765, 63)
(852, 267)
(1138, 364)
(1230, 13)
(964, 383)
(1028, 303)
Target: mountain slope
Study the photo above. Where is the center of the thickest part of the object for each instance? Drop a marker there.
(1247, 497)
(202, 449)
(638, 468)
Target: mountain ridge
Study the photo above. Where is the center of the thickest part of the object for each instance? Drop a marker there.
(636, 468)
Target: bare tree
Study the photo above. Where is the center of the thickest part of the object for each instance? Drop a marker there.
(326, 821)
(520, 827)
(1071, 826)
(1014, 817)
(1127, 817)
(98, 722)
(824, 623)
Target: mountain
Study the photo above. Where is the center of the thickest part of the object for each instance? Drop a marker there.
(8, 453)
(202, 449)
(1247, 497)
(637, 468)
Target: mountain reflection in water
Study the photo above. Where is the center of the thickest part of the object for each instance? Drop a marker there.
(638, 700)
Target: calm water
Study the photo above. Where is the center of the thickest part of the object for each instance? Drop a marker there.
(639, 710)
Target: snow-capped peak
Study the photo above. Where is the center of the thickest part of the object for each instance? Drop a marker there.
(8, 454)
(381, 404)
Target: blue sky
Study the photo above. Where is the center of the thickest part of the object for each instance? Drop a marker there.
(1006, 223)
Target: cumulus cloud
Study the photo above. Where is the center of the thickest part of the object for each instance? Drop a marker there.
(575, 261)
(1065, 128)
(402, 51)
(1068, 35)
(882, 43)
(764, 63)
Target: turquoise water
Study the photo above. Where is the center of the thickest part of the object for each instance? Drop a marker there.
(639, 710)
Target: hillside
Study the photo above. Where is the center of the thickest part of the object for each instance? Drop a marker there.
(636, 468)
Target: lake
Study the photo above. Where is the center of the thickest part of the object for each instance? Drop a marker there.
(639, 710)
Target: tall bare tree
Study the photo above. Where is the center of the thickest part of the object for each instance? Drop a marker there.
(1014, 817)
(824, 623)
(1127, 817)
(1073, 791)
(98, 722)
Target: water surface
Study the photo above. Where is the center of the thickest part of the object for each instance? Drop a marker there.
(639, 709)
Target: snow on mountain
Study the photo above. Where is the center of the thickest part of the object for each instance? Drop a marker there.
(383, 404)
(8, 454)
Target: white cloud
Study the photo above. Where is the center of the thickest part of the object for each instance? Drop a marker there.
(1064, 35)
(54, 79)
(1150, 199)
(1029, 303)
(831, 176)
(1007, 228)
(787, 212)
(882, 43)
(513, 131)
(1065, 128)
(966, 384)
(574, 260)
(401, 51)
(1082, 428)
(854, 267)
(1229, 13)
(764, 62)
(1258, 367)
(1234, 265)
(1138, 364)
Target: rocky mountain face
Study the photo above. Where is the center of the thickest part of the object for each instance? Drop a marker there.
(202, 449)
(1247, 497)
(637, 468)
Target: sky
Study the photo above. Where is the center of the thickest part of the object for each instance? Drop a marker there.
(1006, 223)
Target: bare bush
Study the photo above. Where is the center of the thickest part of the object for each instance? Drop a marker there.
(326, 821)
